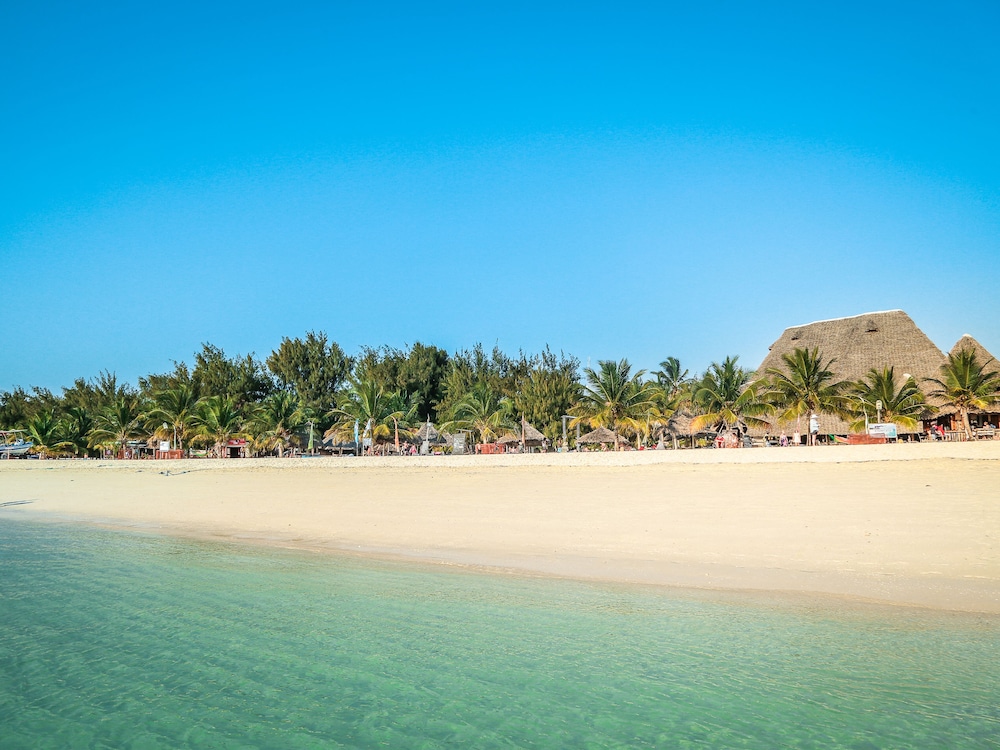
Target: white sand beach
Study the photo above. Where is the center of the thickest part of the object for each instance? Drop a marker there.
(906, 524)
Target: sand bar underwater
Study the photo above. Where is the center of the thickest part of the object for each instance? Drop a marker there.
(914, 524)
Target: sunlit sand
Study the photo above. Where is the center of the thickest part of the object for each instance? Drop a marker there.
(908, 524)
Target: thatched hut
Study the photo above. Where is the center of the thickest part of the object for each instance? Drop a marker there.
(600, 436)
(856, 345)
(533, 438)
(429, 433)
(679, 427)
(984, 421)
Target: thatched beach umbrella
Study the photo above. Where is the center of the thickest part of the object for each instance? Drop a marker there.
(532, 436)
(600, 436)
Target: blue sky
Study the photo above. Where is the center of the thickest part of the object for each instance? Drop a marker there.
(659, 180)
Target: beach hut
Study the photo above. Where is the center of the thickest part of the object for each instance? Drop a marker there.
(600, 436)
(679, 428)
(533, 438)
(856, 345)
(986, 423)
(430, 435)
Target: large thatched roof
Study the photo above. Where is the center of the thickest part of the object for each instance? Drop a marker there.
(600, 435)
(858, 344)
(982, 354)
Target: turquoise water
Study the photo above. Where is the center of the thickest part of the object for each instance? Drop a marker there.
(121, 640)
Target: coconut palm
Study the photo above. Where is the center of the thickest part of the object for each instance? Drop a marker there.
(727, 397)
(45, 432)
(178, 408)
(616, 398)
(217, 421)
(118, 423)
(901, 403)
(806, 386)
(378, 412)
(967, 385)
(276, 420)
(483, 411)
(76, 426)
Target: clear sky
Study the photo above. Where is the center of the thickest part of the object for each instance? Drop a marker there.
(660, 180)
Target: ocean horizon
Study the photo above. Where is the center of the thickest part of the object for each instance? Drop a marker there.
(121, 639)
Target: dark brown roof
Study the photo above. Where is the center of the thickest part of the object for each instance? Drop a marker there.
(858, 344)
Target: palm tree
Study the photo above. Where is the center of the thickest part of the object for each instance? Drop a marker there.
(485, 412)
(902, 403)
(727, 397)
(967, 385)
(118, 423)
(615, 398)
(368, 404)
(178, 408)
(77, 424)
(45, 432)
(807, 386)
(217, 421)
(276, 420)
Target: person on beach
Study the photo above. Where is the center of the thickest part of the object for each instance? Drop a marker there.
(783, 440)
(813, 429)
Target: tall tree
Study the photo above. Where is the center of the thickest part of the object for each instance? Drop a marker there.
(616, 398)
(901, 403)
(727, 397)
(551, 390)
(378, 414)
(807, 385)
(314, 368)
(242, 379)
(275, 421)
(967, 385)
(45, 432)
(484, 412)
(219, 419)
(119, 423)
(177, 407)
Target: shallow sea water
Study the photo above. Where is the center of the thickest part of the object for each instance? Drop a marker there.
(113, 639)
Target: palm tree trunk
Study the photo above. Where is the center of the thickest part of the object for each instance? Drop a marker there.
(966, 424)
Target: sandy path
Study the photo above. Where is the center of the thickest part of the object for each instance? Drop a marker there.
(905, 524)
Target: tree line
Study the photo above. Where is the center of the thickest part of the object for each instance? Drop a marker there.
(309, 386)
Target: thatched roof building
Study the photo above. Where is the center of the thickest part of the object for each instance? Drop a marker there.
(984, 357)
(430, 433)
(598, 436)
(982, 354)
(858, 344)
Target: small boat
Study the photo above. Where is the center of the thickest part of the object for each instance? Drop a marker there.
(12, 445)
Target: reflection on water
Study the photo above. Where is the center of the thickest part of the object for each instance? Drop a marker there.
(112, 639)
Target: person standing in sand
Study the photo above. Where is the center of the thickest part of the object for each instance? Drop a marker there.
(813, 429)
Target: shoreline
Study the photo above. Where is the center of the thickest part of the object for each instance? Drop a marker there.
(914, 525)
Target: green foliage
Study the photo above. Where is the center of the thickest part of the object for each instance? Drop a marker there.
(241, 379)
(218, 420)
(314, 369)
(485, 412)
(275, 421)
(902, 403)
(45, 432)
(150, 385)
(616, 398)
(967, 385)
(97, 394)
(807, 385)
(177, 406)
(727, 397)
(16, 408)
(379, 414)
(551, 390)
(118, 423)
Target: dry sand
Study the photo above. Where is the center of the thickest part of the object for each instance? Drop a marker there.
(906, 524)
